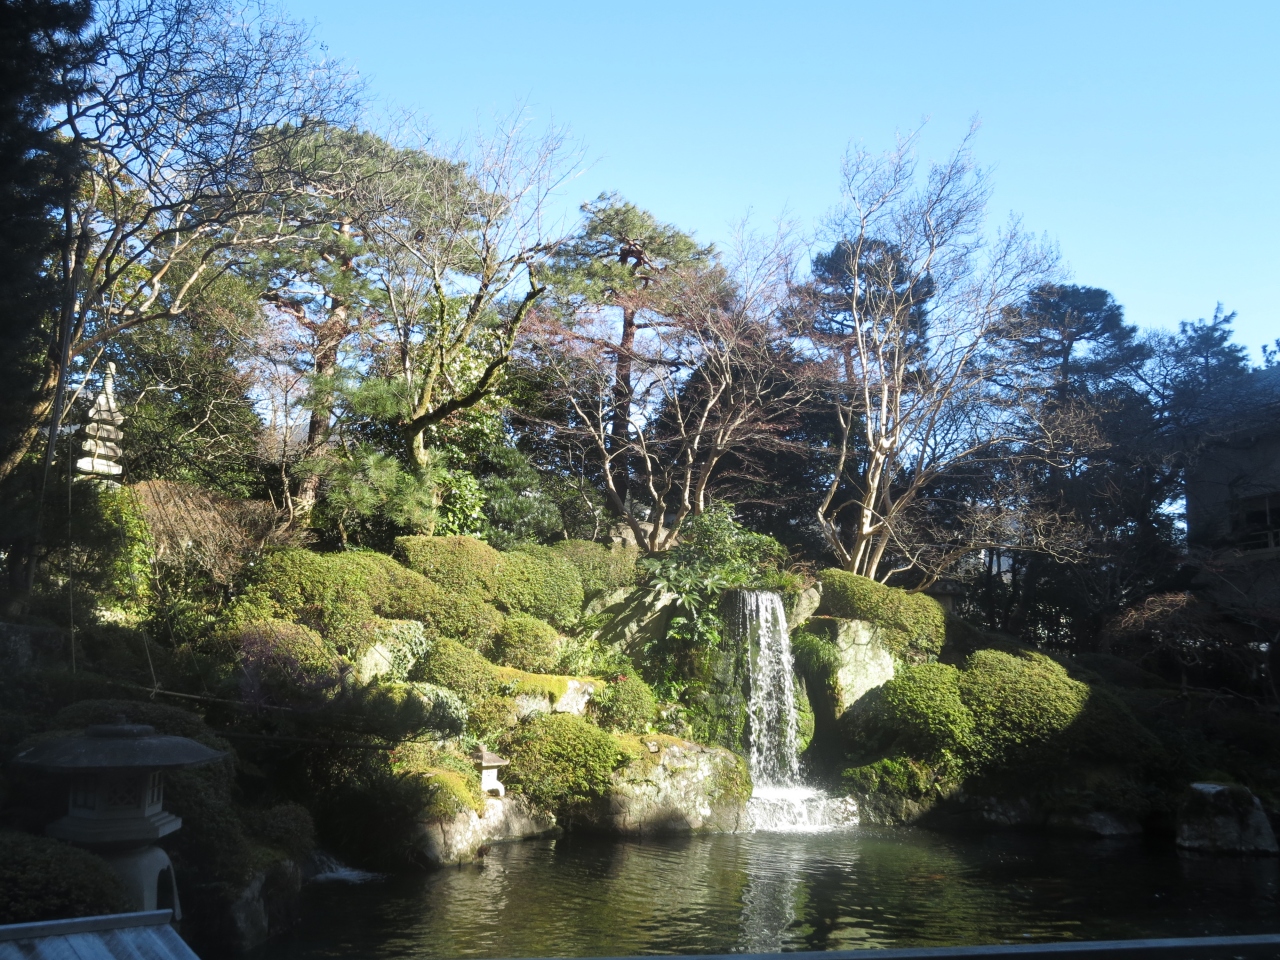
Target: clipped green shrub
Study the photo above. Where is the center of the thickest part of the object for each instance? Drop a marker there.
(459, 564)
(391, 648)
(540, 582)
(460, 669)
(339, 594)
(625, 705)
(1017, 703)
(561, 762)
(44, 879)
(282, 652)
(603, 569)
(918, 713)
(527, 643)
(287, 827)
(450, 785)
(911, 624)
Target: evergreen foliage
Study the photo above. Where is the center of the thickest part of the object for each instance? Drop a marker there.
(561, 762)
(911, 624)
(528, 643)
(45, 879)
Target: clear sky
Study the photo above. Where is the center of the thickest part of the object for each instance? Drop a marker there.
(1143, 137)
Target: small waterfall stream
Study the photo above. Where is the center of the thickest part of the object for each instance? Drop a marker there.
(779, 801)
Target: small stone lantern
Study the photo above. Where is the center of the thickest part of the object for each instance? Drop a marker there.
(489, 764)
(116, 800)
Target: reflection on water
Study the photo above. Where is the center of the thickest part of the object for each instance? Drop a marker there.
(715, 894)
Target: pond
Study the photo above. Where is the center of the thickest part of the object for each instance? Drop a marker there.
(582, 896)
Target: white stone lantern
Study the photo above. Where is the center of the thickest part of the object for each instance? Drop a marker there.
(489, 764)
(116, 800)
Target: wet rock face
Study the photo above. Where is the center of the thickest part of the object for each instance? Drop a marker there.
(676, 787)
(459, 839)
(1221, 818)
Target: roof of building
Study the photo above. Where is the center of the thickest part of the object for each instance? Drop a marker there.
(117, 936)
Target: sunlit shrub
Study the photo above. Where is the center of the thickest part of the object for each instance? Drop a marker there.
(528, 643)
(560, 761)
(911, 624)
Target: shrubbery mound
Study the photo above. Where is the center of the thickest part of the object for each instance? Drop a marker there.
(460, 564)
(561, 762)
(339, 594)
(44, 879)
(528, 643)
(625, 705)
(910, 624)
(603, 569)
(540, 582)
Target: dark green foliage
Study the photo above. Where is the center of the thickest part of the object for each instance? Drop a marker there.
(540, 582)
(528, 643)
(459, 564)
(280, 653)
(603, 569)
(625, 705)
(288, 827)
(561, 762)
(45, 879)
(516, 507)
(460, 669)
(911, 624)
(718, 547)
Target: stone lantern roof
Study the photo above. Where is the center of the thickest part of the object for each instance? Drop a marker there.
(486, 759)
(116, 746)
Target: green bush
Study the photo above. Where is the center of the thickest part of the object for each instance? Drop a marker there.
(450, 784)
(540, 582)
(44, 879)
(892, 777)
(287, 826)
(527, 643)
(911, 624)
(284, 652)
(459, 564)
(1017, 702)
(339, 594)
(561, 762)
(403, 643)
(919, 713)
(603, 569)
(460, 669)
(625, 705)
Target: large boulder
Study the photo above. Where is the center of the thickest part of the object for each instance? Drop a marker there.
(1222, 818)
(459, 839)
(675, 786)
(840, 661)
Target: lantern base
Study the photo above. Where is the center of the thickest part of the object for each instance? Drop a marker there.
(91, 831)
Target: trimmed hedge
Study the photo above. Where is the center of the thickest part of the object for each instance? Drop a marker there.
(561, 762)
(287, 652)
(44, 879)
(625, 705)
(540, 582)
(459, 564)
(339, 594)
(919, 713)
(527, 643)
(603, 569)
(911, 624)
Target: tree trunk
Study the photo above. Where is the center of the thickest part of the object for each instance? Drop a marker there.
(619, 429)
(328, 340)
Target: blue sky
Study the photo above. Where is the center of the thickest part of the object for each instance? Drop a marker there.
(1141, 137)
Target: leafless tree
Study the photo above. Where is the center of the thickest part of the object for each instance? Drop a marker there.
(909, 326)
(188, 124)
(716, 377)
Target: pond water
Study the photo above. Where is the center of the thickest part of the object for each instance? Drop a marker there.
(581, 896)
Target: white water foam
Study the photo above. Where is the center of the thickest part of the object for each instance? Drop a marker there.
(779, 802)
(330, 869)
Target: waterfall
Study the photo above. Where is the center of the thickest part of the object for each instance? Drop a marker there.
(779, 802)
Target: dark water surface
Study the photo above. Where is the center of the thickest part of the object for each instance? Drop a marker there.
(581, 896)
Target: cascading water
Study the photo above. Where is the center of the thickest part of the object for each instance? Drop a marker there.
(779, 802)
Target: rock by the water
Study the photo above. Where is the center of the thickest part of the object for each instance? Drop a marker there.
(675, 786)
(267, 906)
(805, 606)
(459, 839)
(1222, 818)
(1098, 823)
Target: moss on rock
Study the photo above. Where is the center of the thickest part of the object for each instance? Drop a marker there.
(911, 625)
(44, 879)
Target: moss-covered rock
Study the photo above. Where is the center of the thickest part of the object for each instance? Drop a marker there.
(912, 625)
(604, 569)
(561, 762)
(45, 879)
(540, 582)
(528, 643)
(459, 564)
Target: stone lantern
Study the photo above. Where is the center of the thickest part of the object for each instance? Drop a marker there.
(489, 764)
(116, 800)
